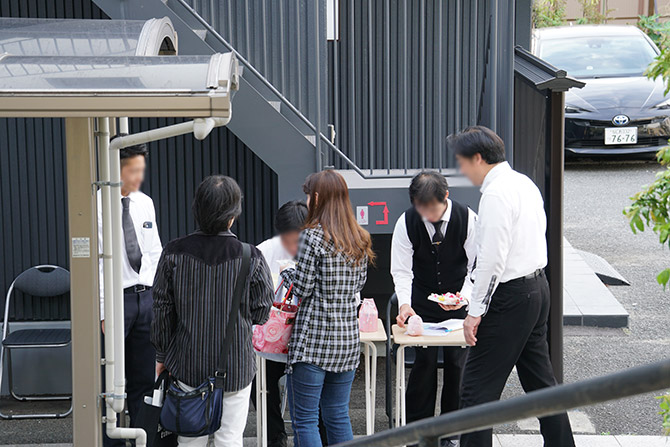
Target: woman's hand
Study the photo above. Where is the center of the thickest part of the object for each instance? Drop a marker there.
(160, 367)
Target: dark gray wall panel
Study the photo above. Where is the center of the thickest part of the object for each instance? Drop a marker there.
(279, 38)
(33, 222)
(404, 75)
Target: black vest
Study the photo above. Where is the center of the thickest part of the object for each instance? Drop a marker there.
(438, 268)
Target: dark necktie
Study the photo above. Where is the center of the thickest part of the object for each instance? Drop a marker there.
(132, 247)
(438, 237)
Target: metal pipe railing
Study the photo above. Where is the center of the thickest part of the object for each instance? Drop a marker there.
(544, 402)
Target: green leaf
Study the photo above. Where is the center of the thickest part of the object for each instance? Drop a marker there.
(664, 277)
(638, 223)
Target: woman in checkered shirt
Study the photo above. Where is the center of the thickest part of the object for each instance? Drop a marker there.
(331, 269)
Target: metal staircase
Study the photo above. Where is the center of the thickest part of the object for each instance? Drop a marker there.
(263, 118)
(273, 127)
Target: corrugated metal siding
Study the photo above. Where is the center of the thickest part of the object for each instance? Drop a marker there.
(51, 9)
(33, 221)
(279, 38)
(176, 166)
(423, 81)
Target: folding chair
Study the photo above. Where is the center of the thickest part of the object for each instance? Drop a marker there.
(42, 281)
(391, 349)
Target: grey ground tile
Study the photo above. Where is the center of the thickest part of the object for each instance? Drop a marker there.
(602, 309)
(611, 321)
(520, 440)
(572, 320)
(644, 441)
(596, 441)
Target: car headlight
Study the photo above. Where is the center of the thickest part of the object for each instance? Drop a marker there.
(663, 105)
(574, 109)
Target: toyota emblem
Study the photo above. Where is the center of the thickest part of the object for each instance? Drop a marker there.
(620, 120)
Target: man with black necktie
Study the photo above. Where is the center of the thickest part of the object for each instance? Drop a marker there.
(140, 258)
(433, 251)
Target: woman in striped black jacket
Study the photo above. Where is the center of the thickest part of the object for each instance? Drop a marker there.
(193, 293)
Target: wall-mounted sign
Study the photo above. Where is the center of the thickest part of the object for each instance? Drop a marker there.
(81, 247)
(385, 211)
(362, 215)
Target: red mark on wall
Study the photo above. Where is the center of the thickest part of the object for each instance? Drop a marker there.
(386, 212)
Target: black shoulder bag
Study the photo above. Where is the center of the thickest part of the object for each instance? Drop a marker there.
(198, 412)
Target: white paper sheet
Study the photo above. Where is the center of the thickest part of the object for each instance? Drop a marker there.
(442, 328)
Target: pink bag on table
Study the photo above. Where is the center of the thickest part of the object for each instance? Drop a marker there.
(273, 336)
(367, 316)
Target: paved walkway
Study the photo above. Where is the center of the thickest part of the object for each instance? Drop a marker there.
(586, 300)
(512, 441)
(585, 441)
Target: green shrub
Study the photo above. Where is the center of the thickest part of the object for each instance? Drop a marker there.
(548, 13)
(657, 31)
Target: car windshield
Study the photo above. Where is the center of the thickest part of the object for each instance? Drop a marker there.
(599, 56)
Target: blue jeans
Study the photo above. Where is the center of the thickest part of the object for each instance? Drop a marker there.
(311, 388)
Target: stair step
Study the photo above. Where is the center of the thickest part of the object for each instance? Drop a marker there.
(201, 33)
(276, 105)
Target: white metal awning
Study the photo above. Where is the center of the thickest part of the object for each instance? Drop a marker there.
(147, 86)
(74, 37)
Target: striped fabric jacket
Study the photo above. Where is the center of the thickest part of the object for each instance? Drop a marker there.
(192, 298)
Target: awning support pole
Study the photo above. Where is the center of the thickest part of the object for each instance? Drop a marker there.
(85, 309)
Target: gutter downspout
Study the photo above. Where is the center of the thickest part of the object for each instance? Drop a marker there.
(114, 399)
(110, 172)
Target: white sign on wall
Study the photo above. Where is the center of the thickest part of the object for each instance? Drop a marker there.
(81, 247)
(362, 215)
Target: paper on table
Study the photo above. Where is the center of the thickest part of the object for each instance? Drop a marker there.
(442, 328)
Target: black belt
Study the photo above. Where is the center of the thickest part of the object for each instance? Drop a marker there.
(536, 274)
(138, 288)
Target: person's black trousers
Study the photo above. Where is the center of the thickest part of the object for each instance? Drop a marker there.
(140, 355)
(422, 384)
(273, 372)
(513, 332)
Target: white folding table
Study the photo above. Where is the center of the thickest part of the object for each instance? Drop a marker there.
(368, 339)
(400, 337)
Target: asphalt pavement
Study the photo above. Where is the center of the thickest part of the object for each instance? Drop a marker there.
(595, 195)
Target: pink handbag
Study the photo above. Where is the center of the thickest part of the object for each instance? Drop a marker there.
(273, 336)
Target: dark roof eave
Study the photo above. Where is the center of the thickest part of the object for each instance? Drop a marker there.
(542, 74)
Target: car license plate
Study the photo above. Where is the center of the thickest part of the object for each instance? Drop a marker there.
(620, 135)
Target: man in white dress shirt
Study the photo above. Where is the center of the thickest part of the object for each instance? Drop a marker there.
(506, 324)
(433, 250)
(283, 247)
(142, 250)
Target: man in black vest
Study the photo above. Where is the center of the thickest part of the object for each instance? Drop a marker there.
(433, 251)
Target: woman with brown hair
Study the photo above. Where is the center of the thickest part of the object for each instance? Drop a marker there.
(331, 268)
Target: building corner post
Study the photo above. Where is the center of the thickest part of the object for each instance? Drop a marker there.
(556, 158)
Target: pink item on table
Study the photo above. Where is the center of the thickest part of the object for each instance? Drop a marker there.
(367, 316)
(415, 325)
